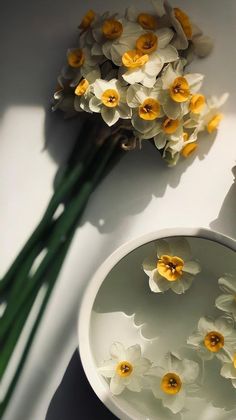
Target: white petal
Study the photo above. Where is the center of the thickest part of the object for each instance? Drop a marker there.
(116, 385)
(224, 325)
(228, 371)
(205, 325)
(157, 283)
(228, 283)
(136, 94)
(190, 371)
(174, 402)
(143, 126)
(142, 366)
(226, 303)
(154, 65)
(95, 104)
(150, 263)
(117, 351)
(162, 247)
(117, 52)
(149, 81)
(110, 115)
(164, 36)
(195, 339)
(135, 383)
(133, 76)
(180, 286)
(133, 353)
(172, 109)
(168, 76)
(108, 370)
(168, 54)
(180, 248)
(100, 86)
(160, 140)
(195, 81)
(192, 267)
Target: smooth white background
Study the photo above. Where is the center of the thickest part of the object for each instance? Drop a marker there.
(139, 196)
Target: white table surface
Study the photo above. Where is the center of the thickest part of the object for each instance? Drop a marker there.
(140, 194)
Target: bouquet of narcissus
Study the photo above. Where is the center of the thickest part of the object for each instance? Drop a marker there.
(131, 69)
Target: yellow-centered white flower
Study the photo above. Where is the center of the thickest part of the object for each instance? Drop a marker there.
(125, 369)
(146, 109)
(178, 90)
(143, 62)
(227, 301)
(110, 100)
(171, 266)
(84, 91)
(214, 337)
(210, 116)
(228, 369)
(174, 380)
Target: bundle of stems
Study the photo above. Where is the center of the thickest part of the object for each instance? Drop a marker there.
(39, 262)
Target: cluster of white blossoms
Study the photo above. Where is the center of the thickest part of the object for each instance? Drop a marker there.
(171, 381)
(217, 337)
(132, 67)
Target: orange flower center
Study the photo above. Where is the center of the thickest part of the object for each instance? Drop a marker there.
(149, 109)
(134, 58)
(82, 87)
(76, 58)
(171, 383)
(147, 43)
(197, 102)
(184, 21)
(214, 341)
(124, 369)
(169, 126)
(110, 98)
(214, 122)
(112, 29)
(189, 149)
(147, 21)
(171, 268)
(179, 90)
(87, 20)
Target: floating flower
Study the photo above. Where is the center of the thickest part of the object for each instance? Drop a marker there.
(109, 100)
(126, 368)
(227, 301)
(210, 117)
(178, 90)
(143, 63)
(171, 266)
(214, 337)
(228, 369)
(175, 379)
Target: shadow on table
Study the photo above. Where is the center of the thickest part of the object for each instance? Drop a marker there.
(75, 399)
(226, 220)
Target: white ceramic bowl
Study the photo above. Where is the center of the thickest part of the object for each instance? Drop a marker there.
(118, 306)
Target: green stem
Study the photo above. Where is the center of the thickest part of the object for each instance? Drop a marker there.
(67, 183)
(67, 220)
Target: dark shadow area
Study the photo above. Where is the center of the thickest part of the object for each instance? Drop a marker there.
(74, 399)
(226, 220)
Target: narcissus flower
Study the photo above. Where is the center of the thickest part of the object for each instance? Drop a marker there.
(228, 369)
(87, 20)
(227, 301)
(210, 116)
(171, 266)
(175, 379)
(149, 54)
(125, 369)
(110, 100)
(178, 90)
(214, 337)
(80, 62)
(84, 91)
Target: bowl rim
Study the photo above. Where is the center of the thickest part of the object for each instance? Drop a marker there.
(84, 316)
